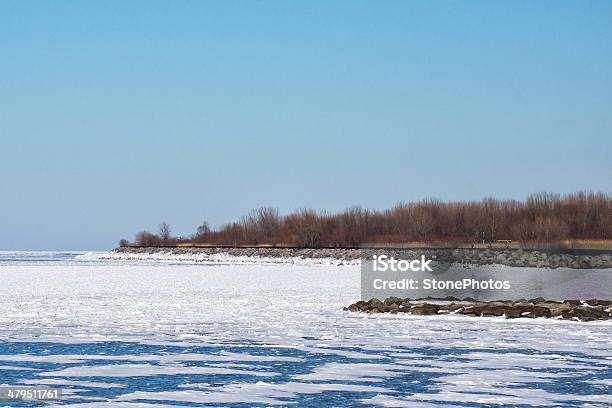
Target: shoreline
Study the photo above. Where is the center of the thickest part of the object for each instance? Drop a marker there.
(576, 310)
(530, 258)
(215, 255)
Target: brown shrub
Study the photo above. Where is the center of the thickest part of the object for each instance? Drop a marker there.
(542, 217)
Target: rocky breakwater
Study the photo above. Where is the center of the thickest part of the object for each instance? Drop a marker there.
(583, 311)
(575, 259)
(346, 254)
(530, 258)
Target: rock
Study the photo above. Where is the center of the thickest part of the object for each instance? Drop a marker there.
(495, 310)
(392, 307)
(474, 310)
(375, 303)
(536, 311)
(593, 309)
(404, 307)
(556, 309)
(512, 313)
(449, 308)
(424, 309)
(469, 299)
(598, 302)
(584, 314)
(393, 300)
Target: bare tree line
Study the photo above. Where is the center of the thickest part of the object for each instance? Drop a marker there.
(542, 217)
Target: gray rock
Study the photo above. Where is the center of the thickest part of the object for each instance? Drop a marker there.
(424, 309)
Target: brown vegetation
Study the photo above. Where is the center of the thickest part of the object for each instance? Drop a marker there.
(541, 218)
(145, 238)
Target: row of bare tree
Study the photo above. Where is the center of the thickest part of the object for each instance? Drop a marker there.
(542, 217)
(146, 238)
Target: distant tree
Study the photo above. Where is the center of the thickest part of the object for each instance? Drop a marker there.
(267, 223)
(124, 243)
(541, 218)
(306, 227)
(145, 238)
(164, 232)
(203, 229)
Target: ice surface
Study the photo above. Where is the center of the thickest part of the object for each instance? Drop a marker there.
(260, 392)
(59, 382)
(152, 334)
(147, 370)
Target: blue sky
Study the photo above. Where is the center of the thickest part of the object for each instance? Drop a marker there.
(115, 116)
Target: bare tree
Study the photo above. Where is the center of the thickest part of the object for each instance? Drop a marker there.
(542, 217)
(145, 238)
(203, 229)
(164, 232)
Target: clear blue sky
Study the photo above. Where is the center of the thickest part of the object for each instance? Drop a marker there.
(115, 115)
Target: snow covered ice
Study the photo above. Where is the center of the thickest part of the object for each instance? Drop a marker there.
(137, 333)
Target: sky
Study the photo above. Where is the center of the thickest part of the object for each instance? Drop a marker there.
(116, 116)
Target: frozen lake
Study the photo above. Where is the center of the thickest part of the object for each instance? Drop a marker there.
(138, 334)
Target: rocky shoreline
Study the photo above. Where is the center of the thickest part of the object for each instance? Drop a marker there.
(254, 252)
(239, 255)
(582, 311)
(574, 259)
(527, 258)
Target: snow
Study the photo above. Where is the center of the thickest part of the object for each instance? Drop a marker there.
(260, 392)
(166, 358)
(363, 372)
(273, 334)
(60, 382)
(161, 256)
(147, 370)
